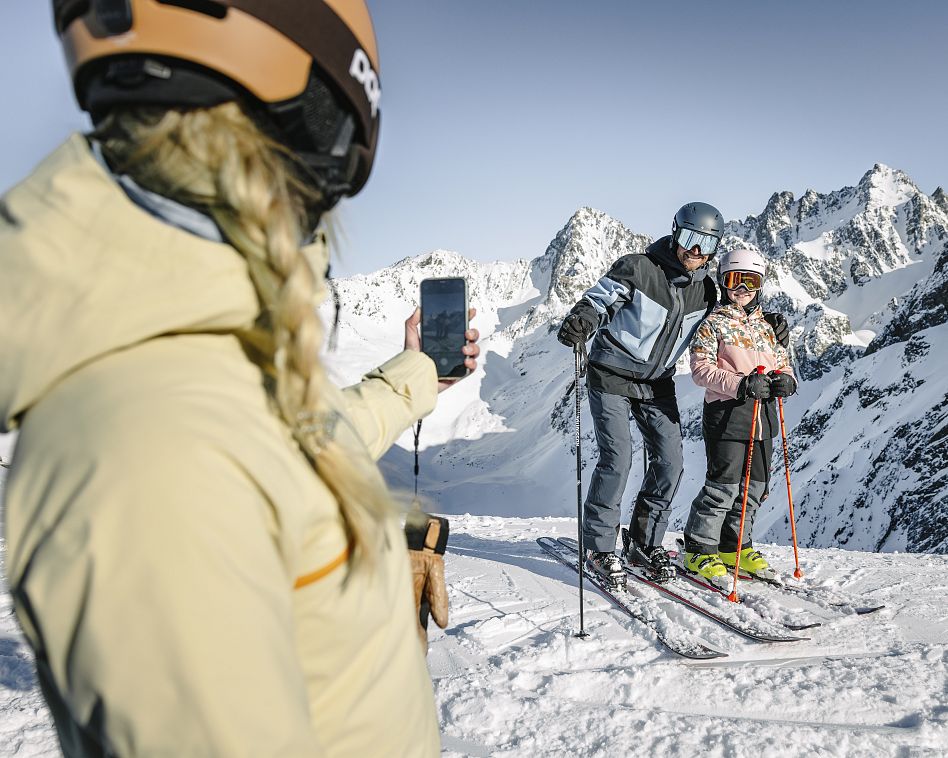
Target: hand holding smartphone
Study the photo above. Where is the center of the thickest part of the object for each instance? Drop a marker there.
(444, 322)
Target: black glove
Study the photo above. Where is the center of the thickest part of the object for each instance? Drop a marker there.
(754, 386)
(574, 331)
(782, 385)
(781, 330)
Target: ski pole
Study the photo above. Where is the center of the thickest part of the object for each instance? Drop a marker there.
(747, 475)
(577, 365)
(797, 573)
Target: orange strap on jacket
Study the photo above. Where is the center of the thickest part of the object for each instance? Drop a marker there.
(323, 571)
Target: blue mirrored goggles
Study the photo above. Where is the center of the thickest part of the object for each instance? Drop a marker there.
(688, 238)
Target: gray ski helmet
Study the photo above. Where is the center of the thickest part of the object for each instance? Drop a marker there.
(702, 218)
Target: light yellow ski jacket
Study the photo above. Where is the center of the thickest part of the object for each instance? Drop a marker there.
(176, 564)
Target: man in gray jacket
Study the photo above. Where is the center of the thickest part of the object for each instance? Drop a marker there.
(643, 314)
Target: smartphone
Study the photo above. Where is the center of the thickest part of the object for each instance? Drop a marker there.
(443, 324)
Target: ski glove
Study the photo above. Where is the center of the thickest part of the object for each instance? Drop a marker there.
(782, 385)
(754, 386)
(427, 539)
(781, 330)
(574, 331)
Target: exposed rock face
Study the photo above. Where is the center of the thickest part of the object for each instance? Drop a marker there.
(871, 453)
(924, 307)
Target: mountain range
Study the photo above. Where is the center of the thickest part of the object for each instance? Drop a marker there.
(861, 274)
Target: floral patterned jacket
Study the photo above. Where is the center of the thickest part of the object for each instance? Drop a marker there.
(729, 345)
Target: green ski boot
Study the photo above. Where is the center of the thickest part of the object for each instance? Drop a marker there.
(752, 562)
(709, 567)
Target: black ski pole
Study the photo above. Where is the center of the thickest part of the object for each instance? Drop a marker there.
(577, 361)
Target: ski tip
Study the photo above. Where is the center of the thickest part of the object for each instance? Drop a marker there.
(705, 654)
(775, 638)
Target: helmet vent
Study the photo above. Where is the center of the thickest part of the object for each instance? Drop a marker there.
(207, 7)
(67, 11)
(114, 16)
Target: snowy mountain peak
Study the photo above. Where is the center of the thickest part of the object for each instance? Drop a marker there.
(581, 252)
(883, 186)
(434, 259)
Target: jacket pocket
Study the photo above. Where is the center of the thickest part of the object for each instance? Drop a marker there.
(689, 325)
(638, 325)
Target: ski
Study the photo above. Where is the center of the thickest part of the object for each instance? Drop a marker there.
(700, 581)
(813, 594)
(679, 595)
(816, 595)
(633, 607)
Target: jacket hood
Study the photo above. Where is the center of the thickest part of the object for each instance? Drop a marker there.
(661, 250)
(87, 272)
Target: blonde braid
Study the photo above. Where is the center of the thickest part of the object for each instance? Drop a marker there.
(219, 160)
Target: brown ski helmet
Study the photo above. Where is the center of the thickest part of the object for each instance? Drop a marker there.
(308, 70)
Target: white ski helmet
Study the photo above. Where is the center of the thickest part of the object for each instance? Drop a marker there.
(742, 260)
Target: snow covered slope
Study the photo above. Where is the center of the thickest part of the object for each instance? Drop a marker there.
(511, 679)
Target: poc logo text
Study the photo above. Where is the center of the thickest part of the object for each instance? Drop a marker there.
(361, 70)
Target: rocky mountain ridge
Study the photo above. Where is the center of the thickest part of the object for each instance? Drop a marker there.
(861, 274)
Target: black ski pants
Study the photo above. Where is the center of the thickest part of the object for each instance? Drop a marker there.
(660, 425)
(714, 522)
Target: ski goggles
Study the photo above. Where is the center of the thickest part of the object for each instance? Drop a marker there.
(688, 238)
(750, 280)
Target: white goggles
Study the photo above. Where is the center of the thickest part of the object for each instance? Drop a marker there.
(688, 238)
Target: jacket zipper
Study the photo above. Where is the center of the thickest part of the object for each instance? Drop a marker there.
(678, 308)
(760, 408)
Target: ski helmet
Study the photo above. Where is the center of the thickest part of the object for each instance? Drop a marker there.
(307, 70)
(705, 224)
(742, 266)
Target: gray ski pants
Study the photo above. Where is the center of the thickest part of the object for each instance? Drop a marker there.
(660, 425)
(715, 517)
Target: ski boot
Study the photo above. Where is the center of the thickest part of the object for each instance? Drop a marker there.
(655, 560)
(709, 567)
(607, 566)
(751, 561)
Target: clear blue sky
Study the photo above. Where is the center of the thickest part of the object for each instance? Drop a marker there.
(502, 117)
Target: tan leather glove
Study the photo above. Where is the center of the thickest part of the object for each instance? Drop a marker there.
(427, 539)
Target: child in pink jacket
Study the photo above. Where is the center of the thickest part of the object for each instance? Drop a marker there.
(726, 351)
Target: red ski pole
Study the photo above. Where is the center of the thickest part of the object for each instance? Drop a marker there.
(797, 573)
(747, 475)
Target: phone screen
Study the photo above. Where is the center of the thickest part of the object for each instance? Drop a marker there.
(443, 323)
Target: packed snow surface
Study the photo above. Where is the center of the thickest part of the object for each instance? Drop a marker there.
(511, 679)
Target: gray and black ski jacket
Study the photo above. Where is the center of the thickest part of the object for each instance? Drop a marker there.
(645, 311)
